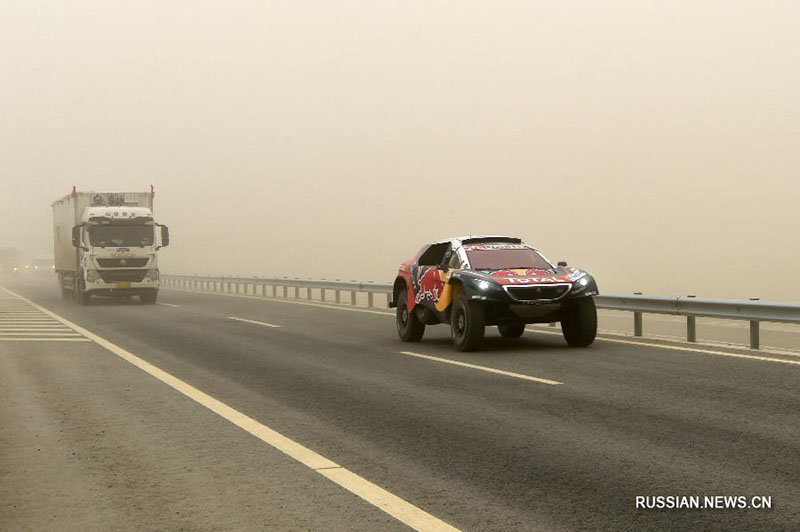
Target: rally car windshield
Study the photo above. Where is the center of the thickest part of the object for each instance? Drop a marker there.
(491, 258)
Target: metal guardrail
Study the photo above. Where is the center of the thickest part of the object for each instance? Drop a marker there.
(752, 310)
(278, 287)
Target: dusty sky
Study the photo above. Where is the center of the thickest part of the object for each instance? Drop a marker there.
(654, 143)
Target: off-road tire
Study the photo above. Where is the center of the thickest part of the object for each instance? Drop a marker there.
(409, 328)
(511, 330)
(579, 322)
(467, 324)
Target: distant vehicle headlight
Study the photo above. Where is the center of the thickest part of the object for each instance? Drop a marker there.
(92, 276)
(152, 275)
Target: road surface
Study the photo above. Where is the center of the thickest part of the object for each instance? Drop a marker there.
(377, 434)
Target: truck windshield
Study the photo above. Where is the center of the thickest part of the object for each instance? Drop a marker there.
(121, 235)
(505, 257)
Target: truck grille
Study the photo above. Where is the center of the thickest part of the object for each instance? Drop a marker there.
(538, 292)
(117, 276)
(123, 263)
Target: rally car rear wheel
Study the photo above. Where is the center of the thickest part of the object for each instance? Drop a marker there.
(409, 328)
(579, 323)
(467, 324)
(511, 330)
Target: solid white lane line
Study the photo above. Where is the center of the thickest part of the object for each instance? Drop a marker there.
(265, 324)
(393, 505)
(481, 368)
(168, 304)
(689, 349)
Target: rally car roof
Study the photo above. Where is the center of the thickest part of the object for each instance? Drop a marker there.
(479, 239)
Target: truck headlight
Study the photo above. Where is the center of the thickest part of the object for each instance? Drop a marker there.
(92, 276)
(151, 275)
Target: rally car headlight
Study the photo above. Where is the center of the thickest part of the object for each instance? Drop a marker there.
(92, 276)
(483, 285)
(581, 283)
(151, 275)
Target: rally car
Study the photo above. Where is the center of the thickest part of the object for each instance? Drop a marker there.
(471, 282)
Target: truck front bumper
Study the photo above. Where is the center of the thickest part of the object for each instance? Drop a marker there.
(122, 288)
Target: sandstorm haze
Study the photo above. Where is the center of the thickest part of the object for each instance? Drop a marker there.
(656, 144)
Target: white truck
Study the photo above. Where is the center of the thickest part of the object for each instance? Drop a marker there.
(106, 244)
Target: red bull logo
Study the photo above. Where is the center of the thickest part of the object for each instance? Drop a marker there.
(427, 285)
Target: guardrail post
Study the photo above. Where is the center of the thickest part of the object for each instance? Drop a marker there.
(637, 320)
(338, 296)
(353, 297)
(285, 291)
(322, 294)
(754, 335)
(370, 299)
(691, 329)
(308, 293)
(297, 292)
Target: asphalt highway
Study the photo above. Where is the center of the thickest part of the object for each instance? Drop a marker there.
(524, 435)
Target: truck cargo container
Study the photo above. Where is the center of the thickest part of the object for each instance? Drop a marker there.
(106, 244)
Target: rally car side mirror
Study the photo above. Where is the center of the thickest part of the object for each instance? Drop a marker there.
(562, 263)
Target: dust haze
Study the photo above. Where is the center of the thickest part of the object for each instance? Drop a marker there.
(655, 144)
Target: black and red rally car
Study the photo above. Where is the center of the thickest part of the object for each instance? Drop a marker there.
(471, 282)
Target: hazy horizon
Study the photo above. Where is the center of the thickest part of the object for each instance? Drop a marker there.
(654, 144)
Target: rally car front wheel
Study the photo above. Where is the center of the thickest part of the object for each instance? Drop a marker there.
(409, 328)
(579, 323)
(467, 324)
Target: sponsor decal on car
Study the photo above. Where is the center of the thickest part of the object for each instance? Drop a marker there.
(493, 247)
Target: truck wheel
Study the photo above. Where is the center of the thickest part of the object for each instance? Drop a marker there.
(409, 328)
(467, 324)
(511, 330)
(81, 296)
(149, 298)
(579, 322)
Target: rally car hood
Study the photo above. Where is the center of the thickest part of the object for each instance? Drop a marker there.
(517, 277)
